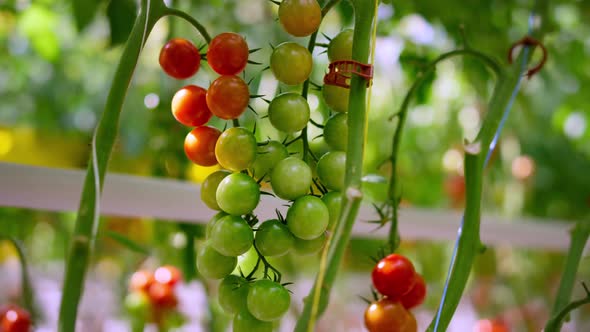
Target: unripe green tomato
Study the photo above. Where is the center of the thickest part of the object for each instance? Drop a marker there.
(236, 149)
(137, 304)
(213, 265)
(331, 169)
(291, 178)
(340, 47)
(273, 238)
(231, 236)
(267, 157)
(308, 217)
(336, 131)
(309, 247)
(289, 112)
(233, 291)
(238, 194)
(268, 300)
(333, 201)
(213, 222)
(245, 322)
(336, 97)
(209, 188)
(291, 63)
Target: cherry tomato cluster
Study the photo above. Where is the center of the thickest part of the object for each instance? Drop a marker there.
(152, 293)
(395, 278)
(14, 319)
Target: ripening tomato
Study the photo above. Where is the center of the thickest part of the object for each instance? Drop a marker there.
(180, 59)
(167, 274)
(416, 296)
(199, 145)
(14, 319)
(141, 281)
(189, 106)
(236, 149)
(300, 18)
(209, 188)
(387, 315)
(336, 97)
(340, 47)
(228, 53)
(162, 295)
(228, 96)
(291, 63)
(490, 325)
(394, 276)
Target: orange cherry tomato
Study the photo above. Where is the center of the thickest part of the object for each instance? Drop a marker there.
(162, 295)
(14, 319)
(168, 275)
(228, 97)
(416, 296)
(199, 145)
(141, 281)
(228, 53)
(180, 59)
(490, 325)
(300, 18)
(189, 106)
(387, 315)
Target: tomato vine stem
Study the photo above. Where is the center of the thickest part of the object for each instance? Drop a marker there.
(191, 20)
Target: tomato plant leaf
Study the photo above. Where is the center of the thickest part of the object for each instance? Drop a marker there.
(127, 242)
(84, 12)
(121, 15)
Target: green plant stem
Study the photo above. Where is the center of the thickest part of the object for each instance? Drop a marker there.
(393, 190)
(191, 20)
(26, 285)
(337, 242)
(561, 308)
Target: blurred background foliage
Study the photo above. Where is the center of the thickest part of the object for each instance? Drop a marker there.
(57, 59)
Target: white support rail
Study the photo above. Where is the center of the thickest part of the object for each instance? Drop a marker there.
(56, 189)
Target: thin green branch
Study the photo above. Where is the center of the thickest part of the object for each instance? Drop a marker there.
(555, 323)
(579, 237)
(191, 20)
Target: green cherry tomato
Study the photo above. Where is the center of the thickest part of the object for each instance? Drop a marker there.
(231, 236)
(291, 63)
(336, 98)
(309, 247)
(340, 47)
(273, 238)
(308, 217)
(238, 194)
(268, 300)
(336, 131)
(333, 201)
(236, 149)
(300, 18)
(267, 157)
(289, 112)
(137, 304)
(209, 188)
(233, 291)
(213, 265)
(331, 168)
(212, 223)
(290, 178)
(245, 322)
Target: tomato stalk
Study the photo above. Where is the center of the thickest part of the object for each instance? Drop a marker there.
(561, 308)
(104, 137)
(333, 252)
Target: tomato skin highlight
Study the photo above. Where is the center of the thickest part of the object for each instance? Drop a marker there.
(199, 145)
(236, 149)
(168, 275)
(228, 53)
(228, 97)
(416, 295)
(394, 276)
(14, 319)
(179, 58)
(300, 18)
(140, 281)
(189, 106)
(387, 315)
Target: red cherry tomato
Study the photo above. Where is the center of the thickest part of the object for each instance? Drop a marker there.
(180, 59)
(394, 276)
(387, 315)
(168, 275)
(490, 325)
(189, 106)
(14, 319)
(416, 296)
(162, 295)
(228, 97)
(199, 145)
(141, 281)
(228, 53)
